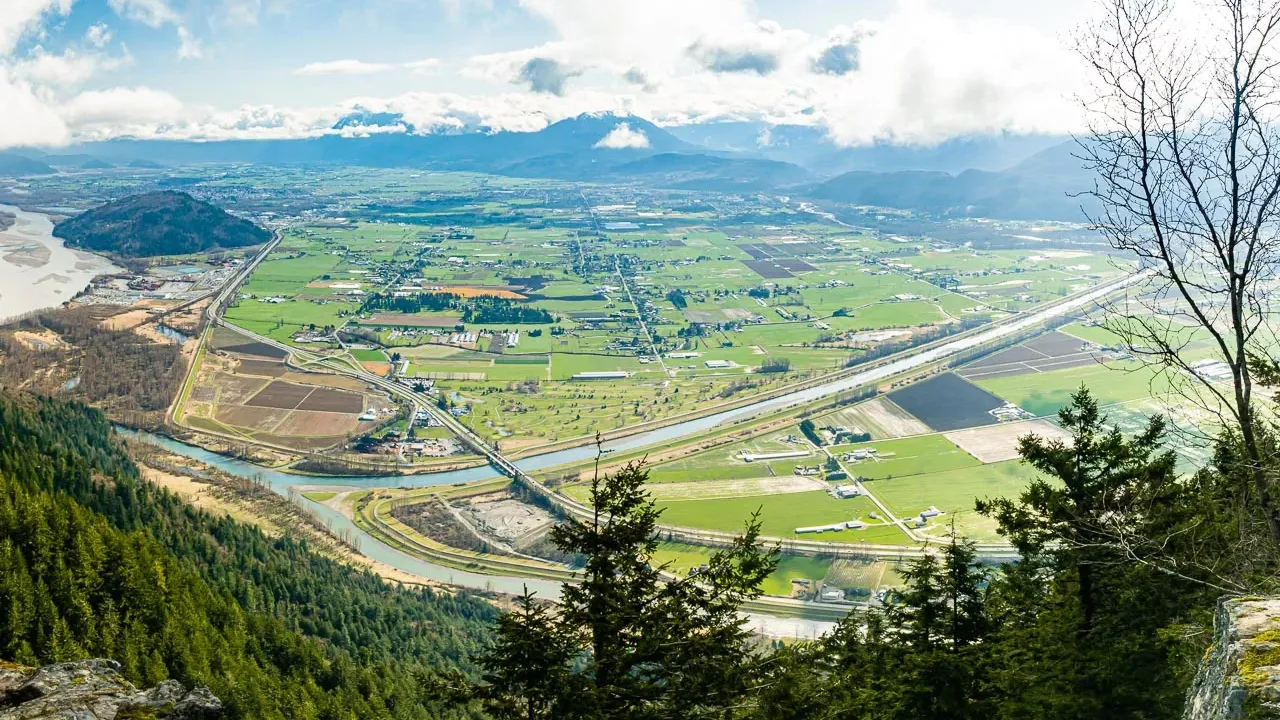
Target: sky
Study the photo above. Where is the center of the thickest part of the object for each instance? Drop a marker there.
(865, 71)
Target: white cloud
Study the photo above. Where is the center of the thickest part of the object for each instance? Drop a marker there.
(69, 69)
(241, 12)
(915, 75)
(121, 107)
(98, 35)
(343, 67)
(21, 16)
(360, 67)
(421, 67)
(188, 45)
(149, 12)
(27, 119)
(623, 137)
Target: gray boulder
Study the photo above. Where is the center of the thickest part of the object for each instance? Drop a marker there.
(1240, 675)
(95, 690)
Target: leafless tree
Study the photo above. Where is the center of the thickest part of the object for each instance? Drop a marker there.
(1185, 147)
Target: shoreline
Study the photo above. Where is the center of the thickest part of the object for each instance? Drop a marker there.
(38, 271)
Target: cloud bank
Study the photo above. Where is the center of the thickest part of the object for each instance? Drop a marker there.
(622, 137)
(914, 75)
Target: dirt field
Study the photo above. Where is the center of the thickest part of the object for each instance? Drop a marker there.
(768, 269)
(795, 265)
(235, 389)
(250, 418)
(338, 381)
(279, 394)
(229, 341)
(377, 368)
(504, 517)
(735, 488)
(39, 341)
(881, 418)
(265, 368)
(332, 401)
(1052, 351)
(126, 319)
(310, 423)
(470, 291)
(996, 443)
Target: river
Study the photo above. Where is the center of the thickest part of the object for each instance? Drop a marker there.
(37, 271)
(369, 546)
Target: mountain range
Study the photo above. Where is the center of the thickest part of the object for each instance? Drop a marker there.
(997, 176)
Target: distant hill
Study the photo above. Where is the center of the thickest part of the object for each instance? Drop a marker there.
(1045, 186)
(811, 148)
(158, 223)
(677, 171)
(14, 165)
(720, 174)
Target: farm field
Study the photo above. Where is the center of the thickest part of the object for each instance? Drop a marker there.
(954, 492)
(681, 558)
(255, 398)
(947, 402)
(1051, 351)
(780, 515)
(1044, 393)
(906, 457)
(495, 270)
(880, 417)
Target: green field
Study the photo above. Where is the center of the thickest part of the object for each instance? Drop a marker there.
(954, 492)
(1044, 393)
(780, 515)
(909, 456)
(681, 558)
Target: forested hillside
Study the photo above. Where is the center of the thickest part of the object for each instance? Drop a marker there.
(158, 223)
(95, 562)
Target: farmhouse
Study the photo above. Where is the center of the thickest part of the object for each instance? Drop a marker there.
(716, 364)
(601, 375)
(846, 491)
(807, 470)
(752, 457)
(831, 594)
(859, 454)
(833, 527)
(931, 512)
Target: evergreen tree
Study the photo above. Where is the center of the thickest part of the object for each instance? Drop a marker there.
(643, 645)
(1084, 616)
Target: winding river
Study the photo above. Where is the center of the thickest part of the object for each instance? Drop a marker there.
(370, 547)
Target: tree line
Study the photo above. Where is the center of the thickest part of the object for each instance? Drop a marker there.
(96, 562)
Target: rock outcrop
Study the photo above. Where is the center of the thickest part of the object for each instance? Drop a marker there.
(1240, 675)
(95, 690)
